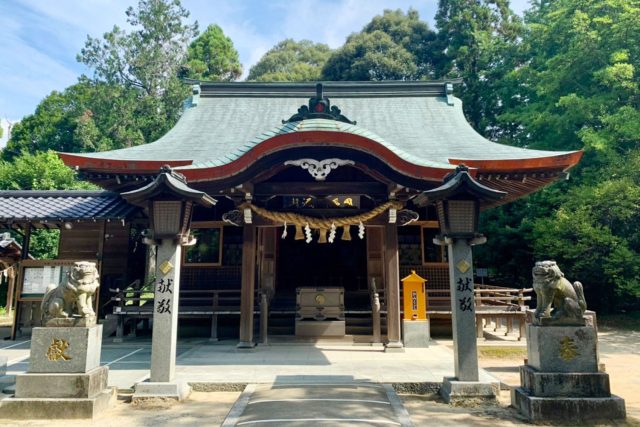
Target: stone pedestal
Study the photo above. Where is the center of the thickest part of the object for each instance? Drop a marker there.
(453, 390)
(561, 381)
(415, 333)
(562, 348)
(80, 349)
(64, 379)
(320, 328)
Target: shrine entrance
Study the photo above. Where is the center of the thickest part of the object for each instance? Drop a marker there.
(339, 264)
(287, 264)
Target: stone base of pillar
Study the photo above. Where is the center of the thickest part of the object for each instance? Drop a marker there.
(165, 391)
(394, 347)
(246, 345)
(453, 390)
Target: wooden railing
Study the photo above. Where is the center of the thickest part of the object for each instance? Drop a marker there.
(486, 296)
(134, 304)
(494, 304)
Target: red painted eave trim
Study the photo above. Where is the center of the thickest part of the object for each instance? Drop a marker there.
(118, 166)
(315, 139)
(561, 161)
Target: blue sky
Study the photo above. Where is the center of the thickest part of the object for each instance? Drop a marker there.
(39, 39)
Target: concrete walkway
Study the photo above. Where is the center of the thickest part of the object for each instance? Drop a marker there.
(208, 365)
(354, 404)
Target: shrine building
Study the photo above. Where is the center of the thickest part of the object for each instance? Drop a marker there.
(311, 212)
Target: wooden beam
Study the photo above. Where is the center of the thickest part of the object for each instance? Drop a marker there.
(319, 187)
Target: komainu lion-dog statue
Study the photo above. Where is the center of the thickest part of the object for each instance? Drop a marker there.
(560, 302)
(71, 302)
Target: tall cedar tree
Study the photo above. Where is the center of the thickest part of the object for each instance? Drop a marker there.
(148, 58)
(212, 56)
(475, 40)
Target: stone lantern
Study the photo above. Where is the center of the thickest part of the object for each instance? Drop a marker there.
(458, 201)
(169, 201)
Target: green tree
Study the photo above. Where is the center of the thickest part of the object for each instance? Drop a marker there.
(148, 58)
(87, 116)
(408, 31)
(40, 171)
(51, 126)
(393, 46)
(594, 236)
(578, 75)
(476, 42)
(576, 85)
(291, 61)
(212, 57)
(370, 56)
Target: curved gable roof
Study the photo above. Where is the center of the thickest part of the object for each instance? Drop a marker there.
(419, 122)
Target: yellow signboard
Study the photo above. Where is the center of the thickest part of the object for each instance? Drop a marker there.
(415, 301)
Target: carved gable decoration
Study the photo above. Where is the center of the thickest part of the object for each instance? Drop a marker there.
(319, 108)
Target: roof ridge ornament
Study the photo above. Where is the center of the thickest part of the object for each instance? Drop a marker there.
(195, 94)
(319, 108)
(449, 91)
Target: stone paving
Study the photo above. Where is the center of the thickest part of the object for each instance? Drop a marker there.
(354, 404)
(201, 362)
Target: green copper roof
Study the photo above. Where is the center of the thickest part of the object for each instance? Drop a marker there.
(419, 122)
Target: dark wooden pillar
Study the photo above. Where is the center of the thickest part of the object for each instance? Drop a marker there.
(247, 286)
(392, 273)
(26, 242)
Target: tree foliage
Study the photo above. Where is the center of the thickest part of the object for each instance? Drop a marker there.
(370, 56)
(291, 61)
(147, 59)
(575, 85)
(40, 171)
(87, 116)
(212, 57)
(393, 46)
(476, 42)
